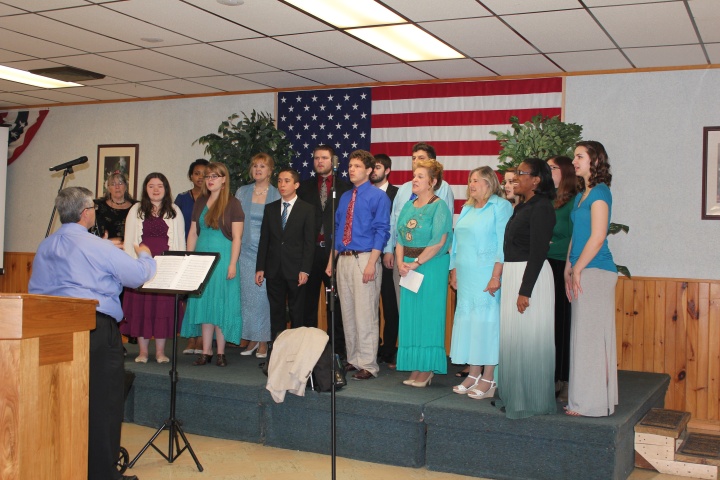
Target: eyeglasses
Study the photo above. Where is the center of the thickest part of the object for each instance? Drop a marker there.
(554, 167)
(117, 184)
(520, 172)
(213, 176)
(93, 206)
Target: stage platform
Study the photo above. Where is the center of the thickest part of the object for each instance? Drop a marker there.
(383, 421)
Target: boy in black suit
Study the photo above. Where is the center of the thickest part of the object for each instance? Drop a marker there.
(285, 252)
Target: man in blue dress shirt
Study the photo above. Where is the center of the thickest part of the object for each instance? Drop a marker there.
(74, 263)
(362, 229)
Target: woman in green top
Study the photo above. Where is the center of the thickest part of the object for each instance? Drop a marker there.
(563, 174)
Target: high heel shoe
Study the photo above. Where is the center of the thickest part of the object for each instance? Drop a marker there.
(221, 360)
(409, 381)
(250, 351)
(203, 359)
(427, 382)
(462, 389)
(260, 354)
(479, 395)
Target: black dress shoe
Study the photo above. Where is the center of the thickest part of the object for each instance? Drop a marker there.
(130, 477)
(203, 360)
(362, 375)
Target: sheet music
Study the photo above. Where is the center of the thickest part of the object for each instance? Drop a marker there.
(180, 272)
(412, 280)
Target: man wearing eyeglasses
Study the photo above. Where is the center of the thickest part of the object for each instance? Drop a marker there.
(74, 263)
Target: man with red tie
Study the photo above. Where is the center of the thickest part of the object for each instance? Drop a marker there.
(362, 229)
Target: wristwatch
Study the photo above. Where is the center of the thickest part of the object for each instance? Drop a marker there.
(417, 260)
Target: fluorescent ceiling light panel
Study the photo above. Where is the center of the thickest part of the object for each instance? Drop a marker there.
(349, 13)
(406, 42)
(21, 76)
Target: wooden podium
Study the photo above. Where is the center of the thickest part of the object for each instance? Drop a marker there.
(44, 355)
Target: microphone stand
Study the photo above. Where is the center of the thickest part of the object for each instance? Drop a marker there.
(67, 171)
(333, 453)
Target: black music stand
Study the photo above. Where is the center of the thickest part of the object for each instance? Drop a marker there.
(172, 423)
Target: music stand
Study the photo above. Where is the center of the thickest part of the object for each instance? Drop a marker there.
(172, 423)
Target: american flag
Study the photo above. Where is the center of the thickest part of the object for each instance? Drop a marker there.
(455, 118)
(23, 127)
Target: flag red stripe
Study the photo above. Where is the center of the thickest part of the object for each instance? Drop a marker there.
(445, 119)
(468, 89)
(479, 147)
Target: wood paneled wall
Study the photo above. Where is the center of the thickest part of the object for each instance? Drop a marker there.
(664, 325)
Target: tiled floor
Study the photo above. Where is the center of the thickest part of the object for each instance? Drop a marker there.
(232, 460)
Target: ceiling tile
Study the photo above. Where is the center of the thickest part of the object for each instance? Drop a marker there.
(334, 47)
(505, 7)
(63, 95)
(18, 42)
(579, 31)
(707, 17)
(647, 25)
(420, 10)
(186, 19)
(8, 10)
(7, 56)
(333, 76)
(460, 68)
(590, 60)
(229, 83)
(28, 65)
(8, 104)
(58, 32)
(137, 90)
(40, 5)
(22, 99)
(100, 94)
(605, 3)
(215, 58)
(273, 53)
(8, 86)
(116, 25)
(666, 56)
(181, 87)
(113, 68)
(519, 65)
(713, 50)
(479, 37)
(279, 79)
(265, 16)
(392, 73)
(161, 63)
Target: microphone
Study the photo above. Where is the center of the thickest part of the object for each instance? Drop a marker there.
(69, 164)
(335, 162)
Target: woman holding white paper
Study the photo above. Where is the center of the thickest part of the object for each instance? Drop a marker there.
(159, 224)
(424, 237)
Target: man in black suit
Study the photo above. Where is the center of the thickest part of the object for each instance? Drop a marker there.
(317, 191)
(388, 349)
(285, 252)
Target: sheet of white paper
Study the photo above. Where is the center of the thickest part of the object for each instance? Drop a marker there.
(412, 281)
(176, 272)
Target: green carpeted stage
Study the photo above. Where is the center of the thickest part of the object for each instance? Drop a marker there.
(383, 421)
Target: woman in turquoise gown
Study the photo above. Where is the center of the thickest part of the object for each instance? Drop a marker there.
(476, 263)
(217, 225)
(424, 237)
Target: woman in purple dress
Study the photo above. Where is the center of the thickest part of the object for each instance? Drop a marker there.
(156, 222)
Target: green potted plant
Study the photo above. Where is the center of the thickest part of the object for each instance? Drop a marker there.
(236, 141)
(541, 137)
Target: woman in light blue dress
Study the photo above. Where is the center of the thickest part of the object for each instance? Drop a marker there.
(476, 260)
(255, 306)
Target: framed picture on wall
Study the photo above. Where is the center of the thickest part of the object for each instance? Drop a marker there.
(711, 174)
(117, 159)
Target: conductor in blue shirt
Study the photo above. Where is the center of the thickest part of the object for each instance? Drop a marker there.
(362, 229)
(74, 263)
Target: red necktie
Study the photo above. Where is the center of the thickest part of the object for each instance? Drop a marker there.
(347, 232)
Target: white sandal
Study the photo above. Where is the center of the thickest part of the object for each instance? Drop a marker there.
(479, 395)
(462, 389)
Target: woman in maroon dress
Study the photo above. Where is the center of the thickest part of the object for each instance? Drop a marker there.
(156, 222)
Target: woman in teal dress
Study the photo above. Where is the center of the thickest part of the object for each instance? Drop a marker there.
(217, 226)
(424, 237)
(476, 260)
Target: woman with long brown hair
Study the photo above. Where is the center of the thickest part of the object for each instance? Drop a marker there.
(563, 175)
(217, 226)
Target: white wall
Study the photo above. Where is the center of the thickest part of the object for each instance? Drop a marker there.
(165, 131)
(652, 127)
(650, 123)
